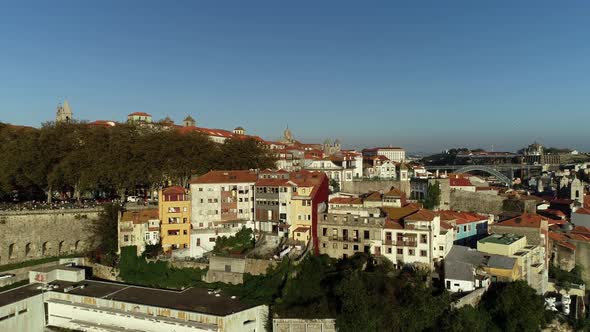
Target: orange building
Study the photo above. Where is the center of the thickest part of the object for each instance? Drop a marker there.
(175, 211)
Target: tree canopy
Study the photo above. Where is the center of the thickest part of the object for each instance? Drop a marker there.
(73, 159)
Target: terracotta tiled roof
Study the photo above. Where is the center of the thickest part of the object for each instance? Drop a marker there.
(394, 193)
(421, 215)
(524, 220)
(272, 182)
(445, 225)
(373, 197)
(173, 190)
(301, 230)
(583, 211)
(460, 217)
(139, 217)
(227, 177)
(346, 200)
(139, 114)
(460, 182)
(397, 213)
(391, 224)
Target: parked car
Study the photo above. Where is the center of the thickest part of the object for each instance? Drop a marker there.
(6, 275)
(133, 199)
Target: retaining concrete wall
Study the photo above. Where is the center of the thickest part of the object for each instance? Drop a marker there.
(303, 325)
(471, 299)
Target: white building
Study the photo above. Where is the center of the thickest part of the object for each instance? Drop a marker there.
(222, 197)
(420, 238)
(139, 228)
(203, 240)
(395, 154)
(88, 305)
(379, 167)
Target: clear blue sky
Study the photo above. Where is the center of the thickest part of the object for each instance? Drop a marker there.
(423, 75)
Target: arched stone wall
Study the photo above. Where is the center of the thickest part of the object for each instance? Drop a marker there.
(31, 235)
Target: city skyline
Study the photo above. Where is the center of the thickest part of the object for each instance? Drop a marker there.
(426, 79)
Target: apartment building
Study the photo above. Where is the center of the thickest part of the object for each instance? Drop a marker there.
(273, 197)
(395, 154)
(175, 213)
(419, 238)
(61, 297)
(308, 199)
(138, 228)
(530, 258)
(219, 198)
(469, 227)
(343, 235)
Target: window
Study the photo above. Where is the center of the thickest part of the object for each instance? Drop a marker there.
(367, 234)
(345, 246)
(185, 232)
(227, 268)
(400, 251)
(389, 250)
(324, 245)
(355, 247)
(324, 231)
(423, 253)
(335, 245)
(211, 239)
(126, 238)
(411, 252)
(423, 238)
(441, 248)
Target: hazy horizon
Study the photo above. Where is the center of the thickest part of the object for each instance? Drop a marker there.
(428, 78)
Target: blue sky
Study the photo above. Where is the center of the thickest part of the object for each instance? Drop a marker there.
(425, 75)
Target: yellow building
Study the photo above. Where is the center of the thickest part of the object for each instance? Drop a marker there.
(530, 259)
(175, 211)
(502, 244)
(309, 191)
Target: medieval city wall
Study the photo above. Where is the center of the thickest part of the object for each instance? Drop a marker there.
(364, 186)
(476, 202)
(26, 235)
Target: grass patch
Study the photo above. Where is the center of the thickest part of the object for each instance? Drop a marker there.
(33, 262)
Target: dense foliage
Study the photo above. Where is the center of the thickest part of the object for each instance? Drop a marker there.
(564, 278)
(432, 196)
(136, 270)
(105, 235)
(237, 244)
(74, 159)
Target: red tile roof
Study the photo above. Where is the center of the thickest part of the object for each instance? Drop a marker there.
(460, 182)
(394, 193)
(583, 211)
(524, 220)
(173, 190)
(397, 213)
(346, 200)
(139, 114)
(301, 230)
(227, 177)
(374, 196)
(421, 215)
(140, 217)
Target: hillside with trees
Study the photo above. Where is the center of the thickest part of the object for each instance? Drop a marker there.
(75, 160)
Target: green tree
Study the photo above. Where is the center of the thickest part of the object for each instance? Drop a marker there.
(432, 196)
(334, 185)
(505, 303)
(105, 234)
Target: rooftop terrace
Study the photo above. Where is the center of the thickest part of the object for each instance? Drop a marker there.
(503, 239)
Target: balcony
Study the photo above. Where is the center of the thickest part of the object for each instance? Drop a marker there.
(405, 243)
